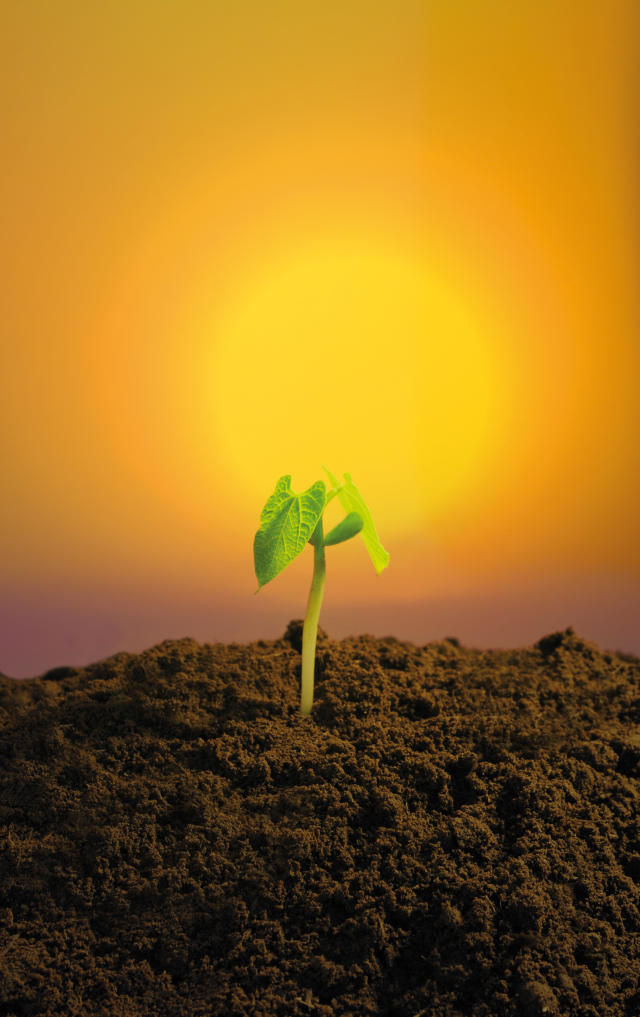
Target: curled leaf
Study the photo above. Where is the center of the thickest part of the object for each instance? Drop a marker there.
(350, 525)
(352, 501)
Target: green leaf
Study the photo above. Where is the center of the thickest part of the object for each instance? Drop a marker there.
(348, 528)
(352, 501)
(286, 524)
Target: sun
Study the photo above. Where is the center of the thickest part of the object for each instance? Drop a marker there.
(357, 352)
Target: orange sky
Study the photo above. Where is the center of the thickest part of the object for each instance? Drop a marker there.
(400, 239)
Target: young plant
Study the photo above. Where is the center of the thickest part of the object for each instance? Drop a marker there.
(287, 523)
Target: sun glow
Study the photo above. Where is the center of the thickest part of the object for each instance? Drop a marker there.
(358, 352)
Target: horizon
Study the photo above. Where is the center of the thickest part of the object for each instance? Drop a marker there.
(83, 637)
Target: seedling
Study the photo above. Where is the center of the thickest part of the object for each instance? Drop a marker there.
(290, 521)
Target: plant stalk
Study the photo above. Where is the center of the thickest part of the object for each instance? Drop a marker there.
(310, 629)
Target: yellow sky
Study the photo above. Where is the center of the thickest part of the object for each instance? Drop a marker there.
(396, 238)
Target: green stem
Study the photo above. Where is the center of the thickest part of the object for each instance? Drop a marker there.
(310, 630)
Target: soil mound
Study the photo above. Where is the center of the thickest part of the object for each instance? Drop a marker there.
(452, 833)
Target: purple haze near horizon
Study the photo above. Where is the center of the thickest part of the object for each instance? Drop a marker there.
(37, 635)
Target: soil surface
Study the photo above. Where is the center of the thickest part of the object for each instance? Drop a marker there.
(452, 833)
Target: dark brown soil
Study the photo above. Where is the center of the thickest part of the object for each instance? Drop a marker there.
(452, 832)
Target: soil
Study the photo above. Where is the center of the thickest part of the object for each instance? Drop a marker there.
(452, 833)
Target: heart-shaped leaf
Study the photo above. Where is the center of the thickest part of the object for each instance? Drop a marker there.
(286, 524)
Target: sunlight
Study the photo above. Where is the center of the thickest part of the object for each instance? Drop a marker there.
(356, 352)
